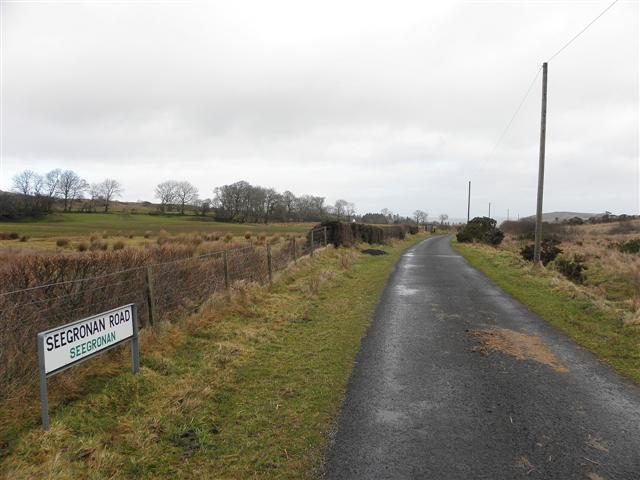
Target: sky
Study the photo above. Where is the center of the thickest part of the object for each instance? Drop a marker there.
(394, 104)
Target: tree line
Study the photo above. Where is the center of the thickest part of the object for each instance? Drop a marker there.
(35, 195)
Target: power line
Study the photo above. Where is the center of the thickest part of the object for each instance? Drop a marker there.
(515, 114)
(582, 31)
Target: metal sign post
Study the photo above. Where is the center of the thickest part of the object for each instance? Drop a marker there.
(63, 347)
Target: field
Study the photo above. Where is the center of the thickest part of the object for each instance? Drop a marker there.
(78, 227)
(246, 388)
(601, 311)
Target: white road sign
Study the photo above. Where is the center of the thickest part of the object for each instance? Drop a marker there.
(63, 346)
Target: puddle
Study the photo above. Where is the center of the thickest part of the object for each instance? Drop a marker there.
(517, 345)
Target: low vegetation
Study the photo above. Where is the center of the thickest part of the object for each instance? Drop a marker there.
(242, 389)
(590, 289)
(481, 229)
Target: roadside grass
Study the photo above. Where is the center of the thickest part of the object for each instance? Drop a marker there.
(592, 321)
(247, 388)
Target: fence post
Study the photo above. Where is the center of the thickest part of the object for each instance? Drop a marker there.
(295, 251)
(225, 258)
(312, 235)
(324, 230)
(269, 262)
(151, 304)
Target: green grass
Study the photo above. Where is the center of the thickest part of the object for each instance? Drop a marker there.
(592, 324)
(78, 224)
(249, 389)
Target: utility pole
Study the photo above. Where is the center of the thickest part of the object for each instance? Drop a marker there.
(489, 209)
(469, 202)
(507, 214)
(543, 134)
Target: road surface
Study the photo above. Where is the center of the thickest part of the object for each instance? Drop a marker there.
(456, 380)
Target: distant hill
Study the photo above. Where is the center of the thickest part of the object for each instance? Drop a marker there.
(553, 217)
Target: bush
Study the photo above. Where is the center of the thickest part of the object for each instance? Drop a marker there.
(147, 234)
(572, 269)
(630, 246)
(83, 247)
(24, 238)
(119, 245)
(481, 229)
(549, 250)
(228, 237)
(62, 242)
(14, 236)
(247, 235)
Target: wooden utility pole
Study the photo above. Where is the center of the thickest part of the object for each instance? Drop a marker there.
(543, 134)
(489, 209)
(469, 202)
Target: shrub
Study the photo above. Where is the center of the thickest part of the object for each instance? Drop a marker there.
(98, 245)
(247, 235)
(630, 246)
(24, 238)
(147, 234)
(14, 236)
(572, 269)
(481, 229)
(83, 247)
(119, 245)
(62, 242)
(228, 237)
(549, 250)
(94, 237)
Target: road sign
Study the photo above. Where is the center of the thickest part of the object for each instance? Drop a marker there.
(67, 345)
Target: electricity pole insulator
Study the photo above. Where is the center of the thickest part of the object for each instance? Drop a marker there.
(543, 134)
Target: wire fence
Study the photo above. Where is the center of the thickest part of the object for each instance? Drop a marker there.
(166, 286)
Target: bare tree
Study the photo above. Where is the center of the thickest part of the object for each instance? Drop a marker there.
(95, 195)
(271, 200)
(51, 187)
(289, 202)
(167, 193)
(350, 211)
(24, 181)
(109, 189)
(340, 208)
(420, 217)
(443, 218)
(71, 187)
(186, 194)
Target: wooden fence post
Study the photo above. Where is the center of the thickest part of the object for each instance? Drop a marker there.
(151, 303)
(311, 251)
(225, 258)
(269, 263)
(324, 230)
(295, 251)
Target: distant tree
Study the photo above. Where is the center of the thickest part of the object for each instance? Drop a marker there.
(203, 206)
(420, 217)
(350, 211)
(289, 203)
(340, 208)
(108, 190)
(71, 187)
(95, 196)
(51, 188)
(185, 194)
(166, 192)
(271, 200)
(24, 182)
(443, 218)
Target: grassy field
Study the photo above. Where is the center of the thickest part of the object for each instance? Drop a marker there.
(78, 227)
(606, 327)
(244, 389)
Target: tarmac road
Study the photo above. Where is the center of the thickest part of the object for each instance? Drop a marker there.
(438, 390)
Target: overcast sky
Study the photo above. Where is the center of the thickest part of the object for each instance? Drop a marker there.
(386, 104)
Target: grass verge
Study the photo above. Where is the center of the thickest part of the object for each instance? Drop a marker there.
(590, 321)
(248, 389)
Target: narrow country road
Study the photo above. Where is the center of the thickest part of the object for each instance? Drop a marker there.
(456, 380)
